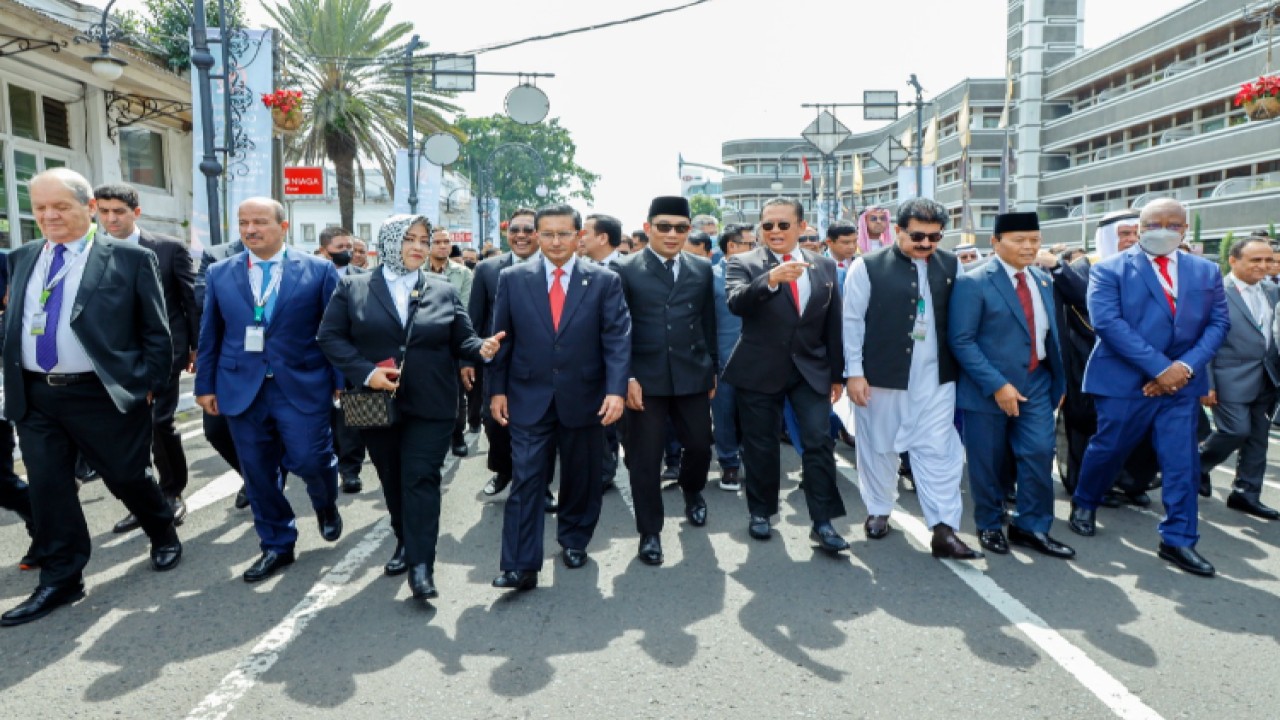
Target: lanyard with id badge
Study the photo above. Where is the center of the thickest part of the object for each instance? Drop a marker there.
(40, 320)
(921, 329)
(255, 336)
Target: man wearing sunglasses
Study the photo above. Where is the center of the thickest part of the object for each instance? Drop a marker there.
(790, 349)
(902, 376)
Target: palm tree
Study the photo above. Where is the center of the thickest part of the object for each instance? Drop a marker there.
(349, 66)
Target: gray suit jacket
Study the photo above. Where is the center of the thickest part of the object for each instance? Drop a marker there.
(1245, 365)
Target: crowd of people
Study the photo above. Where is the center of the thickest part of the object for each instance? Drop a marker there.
(584, 348)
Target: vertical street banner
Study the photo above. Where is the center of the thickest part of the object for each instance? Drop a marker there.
(247, 169)
(430, 178)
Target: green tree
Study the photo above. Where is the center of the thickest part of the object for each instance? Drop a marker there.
(342, 55)
(165, 29)
(514, 173)
(1224, 252)
(704, 205)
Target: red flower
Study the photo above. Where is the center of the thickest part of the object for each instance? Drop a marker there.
(1265, 87)
(286, 101)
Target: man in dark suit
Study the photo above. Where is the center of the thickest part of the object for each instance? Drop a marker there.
(118, 213)
(601, 238)
(1243, 378)
(558, 380)
(1004, 336)
(671, 297)
(1160, 315)
(260, 365)
(790, 349)
(86, 349)
(522, 238)
(335, 246)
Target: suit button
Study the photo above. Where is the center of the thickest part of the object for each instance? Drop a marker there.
(555, 371)
(668, 327)
(908, 350)
(913, 284)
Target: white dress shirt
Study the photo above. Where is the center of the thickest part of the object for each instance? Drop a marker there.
(256, 284)
(1173, 271)
(401, 287)
(134, 237)
(550, 270)
(71, 355)
(675, 268)
(803, 283)
(608, 259)
(1037, 303)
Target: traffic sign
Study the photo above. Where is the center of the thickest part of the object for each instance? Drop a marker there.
(826, 132)
(304, 181)
(889, 154)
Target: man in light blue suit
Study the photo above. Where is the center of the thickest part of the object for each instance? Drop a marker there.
(260, 366)
(735, 239)
(1160, 315)
(1004, 335)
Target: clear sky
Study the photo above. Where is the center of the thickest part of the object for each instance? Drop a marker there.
(636, 96)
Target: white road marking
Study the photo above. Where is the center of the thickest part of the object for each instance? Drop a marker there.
(225, 485)
(1232, 473)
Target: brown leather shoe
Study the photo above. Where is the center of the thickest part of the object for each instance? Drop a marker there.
(946, 545)
(876, 526)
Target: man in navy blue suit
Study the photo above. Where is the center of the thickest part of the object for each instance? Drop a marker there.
(1004, 336)
(558, 380)
(260, 366)
(1160, 315)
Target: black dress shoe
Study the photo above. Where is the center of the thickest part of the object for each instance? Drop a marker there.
(1082, 521)
(179, 508)
(267, 565)
(846, 438)
(946, 544)
(695, 508)
(549, 505)
(1236, 501)
(496, 484)
(574, 559)
(460, 447)
(1206, 488)
(516, 580)
(1139, 498)
(650, 550)
(1011, 497)
(994, 540)
(43, 601)
(351, 484)
(827, 538)
(1187, 559)
(876, 526)
(473, 429)
(242, 500)
(671, 472)
(330, 523)
(128, 524)
(397, 565)
(1040, 542)
(759, 528)
(165, 557)
(1112, 499)
(421, 583)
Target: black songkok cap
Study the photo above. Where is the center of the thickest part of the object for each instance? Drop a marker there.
(669, 205)
(1016, 222)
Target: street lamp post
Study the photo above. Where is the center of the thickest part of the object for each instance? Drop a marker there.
(483, 177)
(202, 60)
(408, 101)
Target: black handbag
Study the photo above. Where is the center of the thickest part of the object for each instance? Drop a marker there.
(368, 409)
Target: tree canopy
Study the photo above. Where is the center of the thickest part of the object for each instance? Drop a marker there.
(513, 173)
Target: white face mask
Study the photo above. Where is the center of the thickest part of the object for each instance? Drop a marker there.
(1159, 241)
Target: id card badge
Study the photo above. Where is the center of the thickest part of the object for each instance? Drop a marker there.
(921, 329)
(255, 338)
(38, 323)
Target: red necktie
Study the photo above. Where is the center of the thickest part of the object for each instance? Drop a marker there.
(557, 298)
(1163, 262)
(795, 287)
(1029, 311)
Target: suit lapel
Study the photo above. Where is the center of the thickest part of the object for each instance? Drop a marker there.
(659, 270)
(579, 284)
(18, 284)
(379, 289)
(289, 280)
(997, 276)
(1147, 272)
(95, 266)
(240, 274)
(535, 281)
(1235, 298)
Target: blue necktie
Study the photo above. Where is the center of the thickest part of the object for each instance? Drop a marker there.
(47, 344)
(270, 299)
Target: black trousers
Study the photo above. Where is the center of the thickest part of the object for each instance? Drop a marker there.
(475, 399)
(348, 444)
(646, 445)
(59, 422)
(408, 458)
(171, 460)
(14, 494)
(218, 433)
(761, 415)
(499, 457)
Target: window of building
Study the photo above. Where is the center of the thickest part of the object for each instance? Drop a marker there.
(990, 172)
(5, 232)
(364, 231)
(987, 220)
(768, 168)
(748, 169)
(790, 168)
(57, 125)
(142, 158)
(308, 233)
(24, 119)
(990, 122)
(750, 204)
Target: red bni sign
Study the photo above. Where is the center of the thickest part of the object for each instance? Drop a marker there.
(303, 181)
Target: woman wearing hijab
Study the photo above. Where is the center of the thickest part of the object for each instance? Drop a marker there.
(363, 334)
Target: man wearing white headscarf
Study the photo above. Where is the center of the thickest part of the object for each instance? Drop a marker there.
(1118, 231)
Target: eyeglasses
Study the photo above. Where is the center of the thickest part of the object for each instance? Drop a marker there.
(562, 235)
(920, 237)
(808, 238)
(878, 218)
(768, 226)
(520, 230)
(666, 227)
(1171, 227)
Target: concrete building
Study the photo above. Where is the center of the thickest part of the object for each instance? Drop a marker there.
(1148, 115)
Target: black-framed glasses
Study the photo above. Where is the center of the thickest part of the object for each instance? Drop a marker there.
(919, 237)
(768, 226)
(520, 230)
(666, 227)
(808, 238)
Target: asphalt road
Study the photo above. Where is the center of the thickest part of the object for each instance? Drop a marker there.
(728, 627)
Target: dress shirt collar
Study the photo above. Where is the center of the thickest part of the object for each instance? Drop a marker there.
(254, 259)
(663, 260)
(1243, 286)
(516, 259)
(550, 269)
(133, 237)
(1011, 271)
(796, 254)
(1173, 257)
(392, 278)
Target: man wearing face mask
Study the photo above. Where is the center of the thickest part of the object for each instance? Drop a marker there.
(1160, 316)
(336, 245)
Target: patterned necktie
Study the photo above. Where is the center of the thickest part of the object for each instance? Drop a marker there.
(795, 287)
(557, 298)
(47, 344)
(1163, 262)
(1029, 312)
